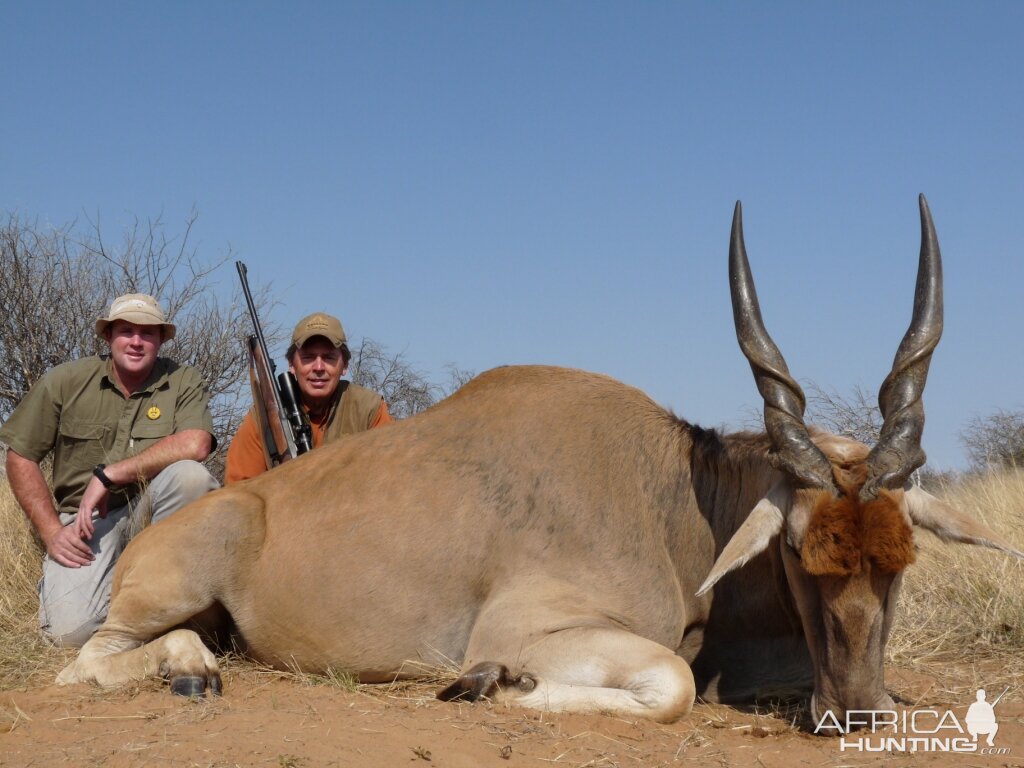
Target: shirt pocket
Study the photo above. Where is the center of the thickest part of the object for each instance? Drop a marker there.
(145, 433)
(82, 443)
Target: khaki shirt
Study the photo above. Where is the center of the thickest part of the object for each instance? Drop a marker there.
(77, 411)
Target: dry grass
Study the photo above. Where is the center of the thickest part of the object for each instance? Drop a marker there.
(24, 657)
(419, 690)
(966, 603)
(958, 603)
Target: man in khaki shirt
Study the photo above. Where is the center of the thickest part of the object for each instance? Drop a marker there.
(127, 431)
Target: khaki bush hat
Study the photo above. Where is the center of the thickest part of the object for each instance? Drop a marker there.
(138, 308)
(319, 324)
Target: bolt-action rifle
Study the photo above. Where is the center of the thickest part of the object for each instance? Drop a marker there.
(282, 422)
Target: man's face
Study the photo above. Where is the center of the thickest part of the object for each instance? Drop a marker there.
(318, 367)
(133, 348)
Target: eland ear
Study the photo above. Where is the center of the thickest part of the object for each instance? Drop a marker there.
(751, 539)
(950, 524)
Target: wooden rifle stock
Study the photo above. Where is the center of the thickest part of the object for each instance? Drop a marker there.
(283, 426)
(277, 444)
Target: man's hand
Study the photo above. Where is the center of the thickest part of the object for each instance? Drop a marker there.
(67, 547)
(94, 498)
(64, 543)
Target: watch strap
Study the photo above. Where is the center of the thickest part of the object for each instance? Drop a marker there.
(98, 472)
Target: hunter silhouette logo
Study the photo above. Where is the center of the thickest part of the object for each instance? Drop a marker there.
(917, 730)
(981, 717)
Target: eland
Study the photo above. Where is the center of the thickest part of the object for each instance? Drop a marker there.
(566, 542)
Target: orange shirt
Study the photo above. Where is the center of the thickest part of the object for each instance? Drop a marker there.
(245, 454)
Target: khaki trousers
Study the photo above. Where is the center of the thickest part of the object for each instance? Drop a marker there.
(73, 602)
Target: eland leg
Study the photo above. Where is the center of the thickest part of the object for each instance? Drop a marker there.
(171, 573)
(131, 644)
(585, 669)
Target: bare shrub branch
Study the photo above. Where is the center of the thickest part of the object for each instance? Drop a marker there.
(457, 377)
(406, 390)
(855, 415)
(996, 440)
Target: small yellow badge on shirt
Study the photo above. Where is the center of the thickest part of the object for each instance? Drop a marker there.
(153, 413)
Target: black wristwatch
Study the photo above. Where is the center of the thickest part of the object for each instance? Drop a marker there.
(98, 472)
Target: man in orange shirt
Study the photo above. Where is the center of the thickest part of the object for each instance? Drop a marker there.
(319, 357)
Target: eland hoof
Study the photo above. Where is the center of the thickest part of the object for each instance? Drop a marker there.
(480, 682)
(194, 686)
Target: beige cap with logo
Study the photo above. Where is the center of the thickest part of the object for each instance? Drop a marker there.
(319, 324)
(138, 308)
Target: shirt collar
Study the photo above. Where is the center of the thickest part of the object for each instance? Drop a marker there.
(328, 413)
(158, 377)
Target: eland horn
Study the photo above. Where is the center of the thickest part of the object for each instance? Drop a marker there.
(784, 401)
(898, 452)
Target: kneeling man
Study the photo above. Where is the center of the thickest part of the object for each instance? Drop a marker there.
(127, 431)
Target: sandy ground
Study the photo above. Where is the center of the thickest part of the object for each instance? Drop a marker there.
(265, 719)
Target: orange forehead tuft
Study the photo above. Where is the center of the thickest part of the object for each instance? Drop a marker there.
(843, 533)
(888, 538)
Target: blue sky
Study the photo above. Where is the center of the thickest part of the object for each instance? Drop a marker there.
(485, 183)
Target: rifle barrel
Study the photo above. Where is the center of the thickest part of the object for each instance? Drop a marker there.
(243, 274)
